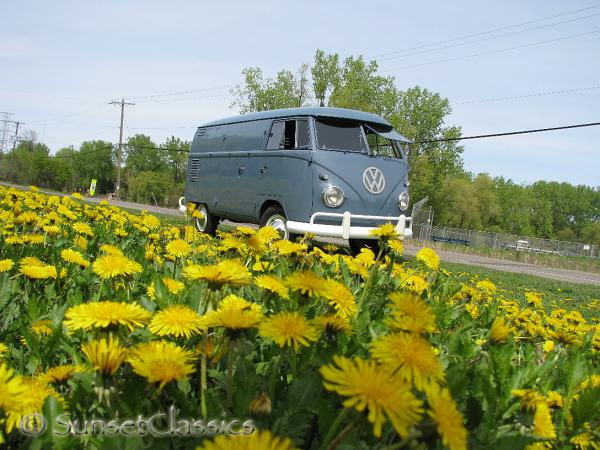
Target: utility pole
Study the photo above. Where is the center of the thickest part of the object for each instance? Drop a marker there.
(122, 103)
(5, 121)
(17, 123)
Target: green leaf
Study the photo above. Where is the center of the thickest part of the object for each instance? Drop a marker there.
(585, 406)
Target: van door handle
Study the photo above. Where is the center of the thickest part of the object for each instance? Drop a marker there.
(264, 169)
(241, 170)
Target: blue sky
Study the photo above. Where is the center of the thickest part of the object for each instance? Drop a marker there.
(63, 61)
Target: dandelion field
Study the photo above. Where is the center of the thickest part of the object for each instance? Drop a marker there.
(107, 314)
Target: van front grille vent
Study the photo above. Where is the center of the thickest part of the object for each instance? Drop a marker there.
(194, 169)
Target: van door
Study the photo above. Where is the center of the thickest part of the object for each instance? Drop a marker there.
(371, 180)
(282, 172)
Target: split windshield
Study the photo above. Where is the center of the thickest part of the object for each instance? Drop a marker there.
(350, 136)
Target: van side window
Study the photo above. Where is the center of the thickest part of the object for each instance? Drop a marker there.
(288, 134)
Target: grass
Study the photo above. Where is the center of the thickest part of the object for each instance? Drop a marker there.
(563, 294)
(582, 263)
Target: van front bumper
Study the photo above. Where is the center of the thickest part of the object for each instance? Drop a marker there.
(345, 230)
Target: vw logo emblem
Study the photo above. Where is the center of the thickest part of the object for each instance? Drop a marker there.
(373, 180)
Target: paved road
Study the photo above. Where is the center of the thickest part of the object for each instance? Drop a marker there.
(571, 276)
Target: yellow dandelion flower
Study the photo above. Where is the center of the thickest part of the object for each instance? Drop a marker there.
(285, 248)
(235, 313)
(333, 324)
(73, 256)
(396, 246)
(341, 298)
(3, 349)
(105, 355)
(585, 441)
(81, 242)
(258, 440)
(42, 327)
(178, 248)
(543, 426)
(366, 257)
(229, 271)
(6, 265)
(176, 320)
(548, 346)
(410, 356)
(308, 283)
(39, 272)
(410, 313)
(173, 286)
(77, 195)
(105, 314)
(367, 386)
(533, 298)
(447, 418)
(52, 230)
(151, 292)
(428, 257)
(11, 388)
(33, 238)
(161, 361)
(111, 249)
(121, 232)
(60, 374)
(416, 284)
(151, 222)
(36, 390)
(288, 329)
(272, 284)
(562, 336)
(113, 265)
(487, 286)
(83, 229)
(499, 331)
(385, 231)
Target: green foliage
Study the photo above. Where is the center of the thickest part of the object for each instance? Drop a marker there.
(154, 187)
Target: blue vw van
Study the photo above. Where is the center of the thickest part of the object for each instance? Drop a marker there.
(328, 171)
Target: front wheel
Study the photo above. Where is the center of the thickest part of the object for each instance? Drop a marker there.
(357, 244)
(207, 224)
(274, 216)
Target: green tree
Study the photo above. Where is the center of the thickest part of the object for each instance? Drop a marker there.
(176, 153)
(94, 160)
(286, 90)
(325, 76)
(143, 155)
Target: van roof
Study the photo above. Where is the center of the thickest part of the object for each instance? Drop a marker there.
(338, 113)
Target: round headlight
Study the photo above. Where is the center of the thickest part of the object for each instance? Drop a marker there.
(403, 201)
(333, 196)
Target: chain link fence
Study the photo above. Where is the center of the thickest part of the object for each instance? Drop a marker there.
(424, 231)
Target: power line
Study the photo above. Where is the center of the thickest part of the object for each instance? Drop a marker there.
(147, 147)
(92, 110)
(489, 38)
(460, 38)
(510, 133)
(536, 94)
(491, 52)
(193, 91)
(76, 155)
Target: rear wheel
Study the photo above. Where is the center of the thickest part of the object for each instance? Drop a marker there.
(209, 223)
(274, 216)
(357, 244)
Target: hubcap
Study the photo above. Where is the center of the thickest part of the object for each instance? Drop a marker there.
(278, 222)
(201, 223)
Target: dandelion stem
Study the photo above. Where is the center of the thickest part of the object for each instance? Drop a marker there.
(203, 376)
(230, 360)
(333, 429)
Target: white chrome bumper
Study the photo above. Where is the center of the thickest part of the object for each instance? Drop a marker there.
(346, 230)
(182, 207)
